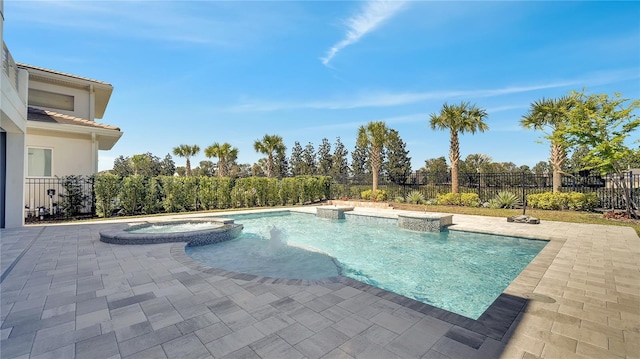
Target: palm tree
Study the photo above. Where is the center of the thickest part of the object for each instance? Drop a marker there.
(374, 137)
(458, 119)
(187, 152)
(550, 114)
(225, 155)
(269, 145)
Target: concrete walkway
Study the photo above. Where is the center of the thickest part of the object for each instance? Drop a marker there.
(65, 294)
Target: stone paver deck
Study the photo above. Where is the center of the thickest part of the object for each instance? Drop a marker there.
(65, 294)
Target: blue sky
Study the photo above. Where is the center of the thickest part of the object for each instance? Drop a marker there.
(199, 72)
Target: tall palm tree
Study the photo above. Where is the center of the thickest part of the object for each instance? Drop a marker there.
(374, 136)
(225, 155)
(458, 119)
(551, 115)
(269, 145)
(187, 152)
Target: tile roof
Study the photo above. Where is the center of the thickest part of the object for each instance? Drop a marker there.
(25, 66)
(36, 114)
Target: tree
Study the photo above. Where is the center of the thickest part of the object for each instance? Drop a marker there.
(359, 160)
(269, 145)
(374, 137)
(187, 152)
(225, 154)
(477, 162)
(122, 166)
(296, 159)
(257, 170)
(436, 170)
(281, 165)
(551, 115)
(398, 163)
(541, 168)
(458, 119)
(167, 166)
(141, 163)
(339, 165)
(239, 170)
(603, 124)
(206, 169)
(325, 160)
(309, 160)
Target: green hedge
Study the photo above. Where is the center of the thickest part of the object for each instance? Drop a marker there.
(142, 195)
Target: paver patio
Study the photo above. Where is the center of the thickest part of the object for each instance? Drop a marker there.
(65, 294)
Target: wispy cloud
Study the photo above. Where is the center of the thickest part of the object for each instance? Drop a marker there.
(214, 23)
(387, 99)
(370, 17)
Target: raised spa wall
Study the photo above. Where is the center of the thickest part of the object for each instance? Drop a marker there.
(123, 235)
(421, 222)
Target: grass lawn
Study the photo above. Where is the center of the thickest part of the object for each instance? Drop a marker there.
(560, 216)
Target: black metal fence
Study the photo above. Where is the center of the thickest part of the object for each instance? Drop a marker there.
(73, 196)
(487, 185)
(58, 198)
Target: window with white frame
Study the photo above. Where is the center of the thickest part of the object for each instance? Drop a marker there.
(39, 162)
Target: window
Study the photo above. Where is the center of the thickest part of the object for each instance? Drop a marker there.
(50, 99)
(39, 162)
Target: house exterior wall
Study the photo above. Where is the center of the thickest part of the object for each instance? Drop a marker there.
(72, 154)
(13, 122)
(81, 99)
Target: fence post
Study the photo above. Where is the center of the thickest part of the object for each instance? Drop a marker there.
(524, 199)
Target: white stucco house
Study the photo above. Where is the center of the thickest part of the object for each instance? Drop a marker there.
(48, 128)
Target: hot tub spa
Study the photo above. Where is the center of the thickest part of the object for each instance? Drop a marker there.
(195, 232)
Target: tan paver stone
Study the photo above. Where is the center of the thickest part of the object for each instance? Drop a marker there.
(602, 328)
(554, 352)
(592, 351)
(630, 348)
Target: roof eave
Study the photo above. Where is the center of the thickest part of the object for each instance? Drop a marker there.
(107, 138)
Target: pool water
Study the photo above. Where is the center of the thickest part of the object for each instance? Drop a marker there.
(462, 272)
(176, 227)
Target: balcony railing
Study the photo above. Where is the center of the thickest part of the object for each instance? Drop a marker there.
(9, 66)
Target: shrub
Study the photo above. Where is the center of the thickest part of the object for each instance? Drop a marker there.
(107, 188)
(558, 201)
(179, 193)
(399, 199)
(73, 197)
(470, 199)
(415, 197)
(132, 194)
(153, 197)
(378, 195)
(504, 199)
(450, 199)
(548, 200)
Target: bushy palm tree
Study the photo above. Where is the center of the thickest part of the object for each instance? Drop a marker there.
(374, 136)
(187, 152)
(269, 145)
(458, 119)
(225, 154)
(550, 115)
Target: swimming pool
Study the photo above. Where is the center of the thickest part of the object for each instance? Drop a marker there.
(462, 272)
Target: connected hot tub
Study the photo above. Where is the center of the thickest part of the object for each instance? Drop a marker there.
(195, 232)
